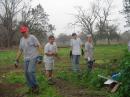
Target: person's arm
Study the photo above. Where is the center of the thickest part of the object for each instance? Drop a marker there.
(40, 50)
(81, 43)
(38, 45)
(80, 34)
(47, 52)
(71, 48)
(71, 44)
(81, 46)
(87, 47)
(19, 53)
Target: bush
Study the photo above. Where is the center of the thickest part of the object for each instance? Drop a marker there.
(125, 77)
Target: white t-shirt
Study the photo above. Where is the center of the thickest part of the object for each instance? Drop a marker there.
(76, 46)
(29, 47)
(49, 48)
(129, 43)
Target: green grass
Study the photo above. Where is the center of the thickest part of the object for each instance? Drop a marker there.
(45, 89)
(7, 57)
(104, 56)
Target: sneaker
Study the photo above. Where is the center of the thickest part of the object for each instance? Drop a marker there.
(35, 89)
(51, 82)
(30, 90)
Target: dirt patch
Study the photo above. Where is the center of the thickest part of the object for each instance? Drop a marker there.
(9, 90)
(10, 68)
(68, 90)
(4, 69)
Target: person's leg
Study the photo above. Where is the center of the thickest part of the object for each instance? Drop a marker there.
(90, 66)
(27, 76)
(26, 65)
(32, 71)
(49, 73)
(32, 76)
(74, 63)
(77, 63)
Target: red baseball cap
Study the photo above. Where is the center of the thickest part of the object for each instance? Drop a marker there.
(24, 29)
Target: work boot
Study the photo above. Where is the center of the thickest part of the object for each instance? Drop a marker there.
(51, 82)
(35, 89)
(30, 90)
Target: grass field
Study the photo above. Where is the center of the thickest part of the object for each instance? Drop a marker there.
(67, 82)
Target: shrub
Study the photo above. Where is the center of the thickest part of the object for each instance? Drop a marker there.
(125, 76)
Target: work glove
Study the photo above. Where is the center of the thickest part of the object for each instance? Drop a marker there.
(82, 52)
(70, 53)
(16, 63)
(39, 59)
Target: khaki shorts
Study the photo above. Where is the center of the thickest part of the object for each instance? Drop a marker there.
(49, 66)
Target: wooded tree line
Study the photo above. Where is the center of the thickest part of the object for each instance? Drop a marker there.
(63, 40)
(95, 20)
(15, 12)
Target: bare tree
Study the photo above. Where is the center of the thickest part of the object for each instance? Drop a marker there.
(103, 25)
(86, 19)
(126, 4)
(14, 12)
(97, 19)
(38, 21)
(9, 10)
(63, 39)
(3, 34)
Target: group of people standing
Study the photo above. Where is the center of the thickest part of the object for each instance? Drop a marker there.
(77, 49)
(32, 52)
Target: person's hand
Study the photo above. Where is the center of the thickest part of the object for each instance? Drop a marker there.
(82, 51)
(70, 53)
(39, 59)
(16, 63)
(51, 53)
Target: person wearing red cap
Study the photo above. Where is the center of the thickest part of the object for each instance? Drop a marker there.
(29, 46)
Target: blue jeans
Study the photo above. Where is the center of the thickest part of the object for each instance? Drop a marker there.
(30, 69)
(75, 63)
(89, 65)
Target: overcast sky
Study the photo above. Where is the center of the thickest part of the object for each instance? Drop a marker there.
(60, 12)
